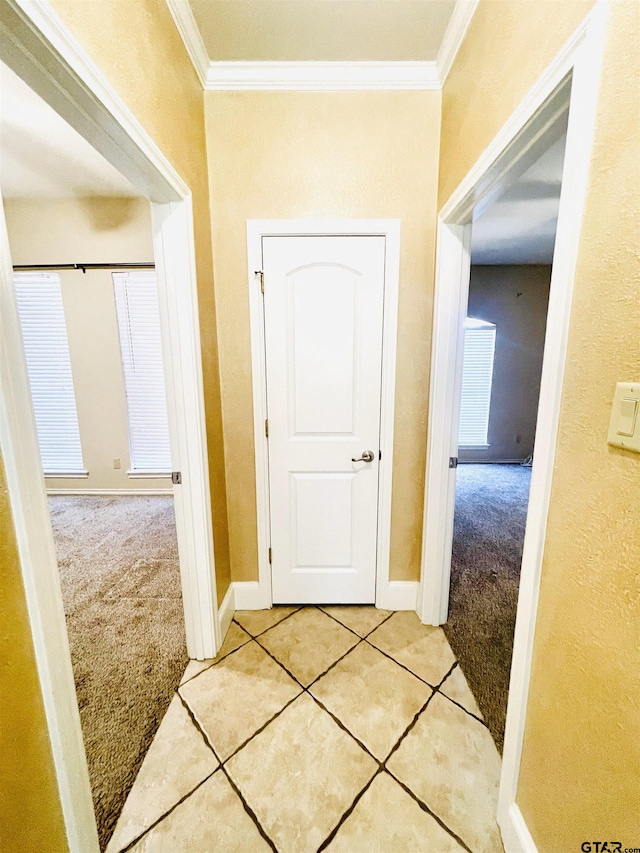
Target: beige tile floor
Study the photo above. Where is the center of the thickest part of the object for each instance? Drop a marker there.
(346, 729)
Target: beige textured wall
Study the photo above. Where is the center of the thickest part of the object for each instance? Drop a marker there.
(580, 773)
(93, 230)
(137, 46)
(515, 298)
(30, 812)
(508, 45)
(311, 155)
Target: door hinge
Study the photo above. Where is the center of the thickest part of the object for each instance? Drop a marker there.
(266, 427)
(380, 455)
(261, 274)
(176, 477)
(453, 462)
(269, 555)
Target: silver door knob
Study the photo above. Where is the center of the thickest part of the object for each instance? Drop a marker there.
(367, 456)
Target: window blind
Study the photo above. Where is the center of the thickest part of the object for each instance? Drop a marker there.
(136, 296)
(477, 374)
(44, 333)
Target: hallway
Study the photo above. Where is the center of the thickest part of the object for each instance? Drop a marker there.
(339, 728)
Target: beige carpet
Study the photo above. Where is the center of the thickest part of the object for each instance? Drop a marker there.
(119, 571)
(488, 534)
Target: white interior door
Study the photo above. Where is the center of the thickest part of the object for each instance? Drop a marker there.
(323, 299)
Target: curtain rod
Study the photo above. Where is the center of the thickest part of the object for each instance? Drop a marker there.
(137, 265)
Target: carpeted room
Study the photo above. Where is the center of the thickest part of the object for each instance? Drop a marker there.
(104, 446)
(503, 363)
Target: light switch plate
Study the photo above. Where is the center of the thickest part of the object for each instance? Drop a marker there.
(624, 427)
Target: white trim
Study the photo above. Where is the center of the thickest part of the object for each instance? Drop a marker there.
(399, 595)
(226, 611)
(450, 303)
(149, 475)
(190, 33)
(390, 230)
(132, 492)
(516, 837)
(38, 46)
(248, 595)
(321, 76)
(174, 254)
(529, 129)
(66, 475)
(520, 461)
(586, 57)
(461, 16)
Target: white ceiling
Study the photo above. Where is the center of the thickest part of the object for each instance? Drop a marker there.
(315, 30)
(41, 156)
(520, 227)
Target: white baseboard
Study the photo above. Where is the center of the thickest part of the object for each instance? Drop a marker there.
(226, 611)
(249, 596)
(131, 492)
(515, 833)
(398, 595)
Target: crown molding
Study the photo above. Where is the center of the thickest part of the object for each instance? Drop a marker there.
(461, 16)
(190, 33)
(321, 76)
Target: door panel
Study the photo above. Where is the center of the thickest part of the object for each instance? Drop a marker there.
(323, 331)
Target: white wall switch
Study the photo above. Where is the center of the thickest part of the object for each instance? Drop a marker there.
(624, 427)
(116, 463)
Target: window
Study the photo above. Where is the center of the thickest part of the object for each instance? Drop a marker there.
(141, 347)
(44, 333)
(477, 373)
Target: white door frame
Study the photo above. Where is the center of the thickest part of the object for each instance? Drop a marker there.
(259, 595)
(530, 129)
(37, 45)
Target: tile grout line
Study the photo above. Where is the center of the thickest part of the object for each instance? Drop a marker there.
(318, 677)
(342, 726)
(360, 639)
(335, 619)
(306, 689)
(381, 764)
(248, 809)
(225, 772)
(237, 649)
(387, 655)
(216, 662)
(413, 722)
(455, 702)
(349, 811)
(275, 624)
(261, 729)
(402, 737)
(167, 813)
(425, 808)
(466, 710)
(187, 795)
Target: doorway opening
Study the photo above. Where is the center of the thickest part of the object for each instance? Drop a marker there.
(512, 244)
(81, 244)
(65, 79)
(568, 87)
